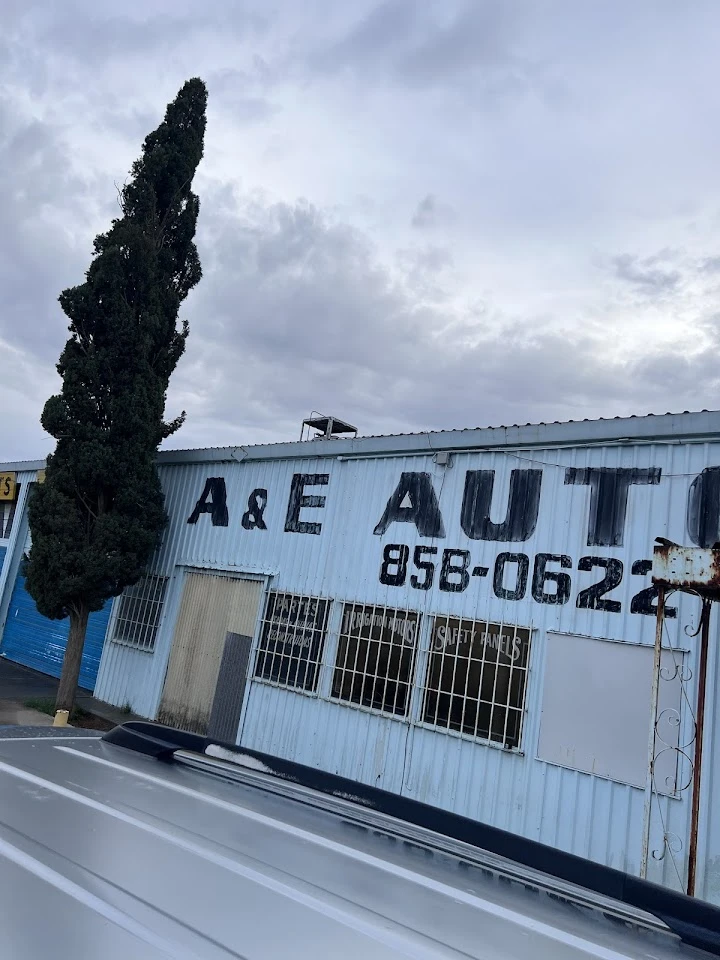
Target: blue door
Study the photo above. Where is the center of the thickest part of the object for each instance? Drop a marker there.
(37, 642)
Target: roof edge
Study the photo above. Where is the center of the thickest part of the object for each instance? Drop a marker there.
(658, 428)
(665, 428)
(23, 466)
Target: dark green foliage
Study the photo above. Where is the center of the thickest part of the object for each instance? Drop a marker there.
(99, 515)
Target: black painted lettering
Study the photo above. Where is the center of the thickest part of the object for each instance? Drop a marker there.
(521, 576)
(609, 487)
(521, 515)
(427, 565)
(451, 569)
(394, 566)
(703, 508)
(253, 519)
(298, 500)
(591, 597)
(213, 500)
(541, 576)
(413, 501)
(645, 601)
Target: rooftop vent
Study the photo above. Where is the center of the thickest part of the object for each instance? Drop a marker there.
(326, 428)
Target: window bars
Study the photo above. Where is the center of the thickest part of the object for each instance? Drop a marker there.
(292, 639)
(139, 612)
(474, 681)
(476, 677)
(375, 658)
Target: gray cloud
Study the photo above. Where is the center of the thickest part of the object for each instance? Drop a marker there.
(430, 212)
(304, 317)
(43, 204)
(478, 36)
(425, 213)
(41, 200)
(537, 139)
(710, 265)
(424, 46)
(427, 271)
(245, 92)
(432, 259)
(98, 37)
(646, 274)
(373, 39)
(104, 38)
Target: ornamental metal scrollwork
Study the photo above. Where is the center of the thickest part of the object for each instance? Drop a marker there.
(675, 730)
(671, 783)
(670, 716)
(679, 670)
(671, 843)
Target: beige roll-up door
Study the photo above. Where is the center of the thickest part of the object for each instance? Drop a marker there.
(212, 607)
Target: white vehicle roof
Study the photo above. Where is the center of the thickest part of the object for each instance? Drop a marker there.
(172, 846)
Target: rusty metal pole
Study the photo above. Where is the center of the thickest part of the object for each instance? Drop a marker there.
(651, 734)
(699, 728)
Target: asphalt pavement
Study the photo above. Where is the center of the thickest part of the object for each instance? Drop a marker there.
(19, 684)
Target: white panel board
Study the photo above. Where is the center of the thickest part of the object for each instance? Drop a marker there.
(596, 709)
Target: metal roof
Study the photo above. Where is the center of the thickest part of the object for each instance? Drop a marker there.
(665, 428)
(20, 466)
(105, 852)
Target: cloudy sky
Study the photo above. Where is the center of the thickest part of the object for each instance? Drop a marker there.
(414, 214)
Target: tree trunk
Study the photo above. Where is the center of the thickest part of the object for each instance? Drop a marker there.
(72, 659)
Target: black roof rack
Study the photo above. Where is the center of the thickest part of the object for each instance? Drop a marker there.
(695, 921)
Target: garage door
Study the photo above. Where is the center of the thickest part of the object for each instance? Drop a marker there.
(206, 675)
(37, 642)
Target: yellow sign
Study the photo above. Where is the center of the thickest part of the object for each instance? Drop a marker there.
(8, 486)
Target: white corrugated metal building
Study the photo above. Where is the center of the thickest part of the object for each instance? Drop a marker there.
(464, 617)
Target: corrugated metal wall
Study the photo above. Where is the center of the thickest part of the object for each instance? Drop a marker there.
(33, 640)
(27, 636)
(579, 812)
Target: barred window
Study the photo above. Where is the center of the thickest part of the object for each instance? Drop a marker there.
(376, 657)
(139, 612)
(476, 676)
(292, 640)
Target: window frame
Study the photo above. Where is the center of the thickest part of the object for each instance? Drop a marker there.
(506, 741)
(146, 643)
(319, 635)
(340, 672)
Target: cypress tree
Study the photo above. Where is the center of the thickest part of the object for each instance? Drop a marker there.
(99, 515)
